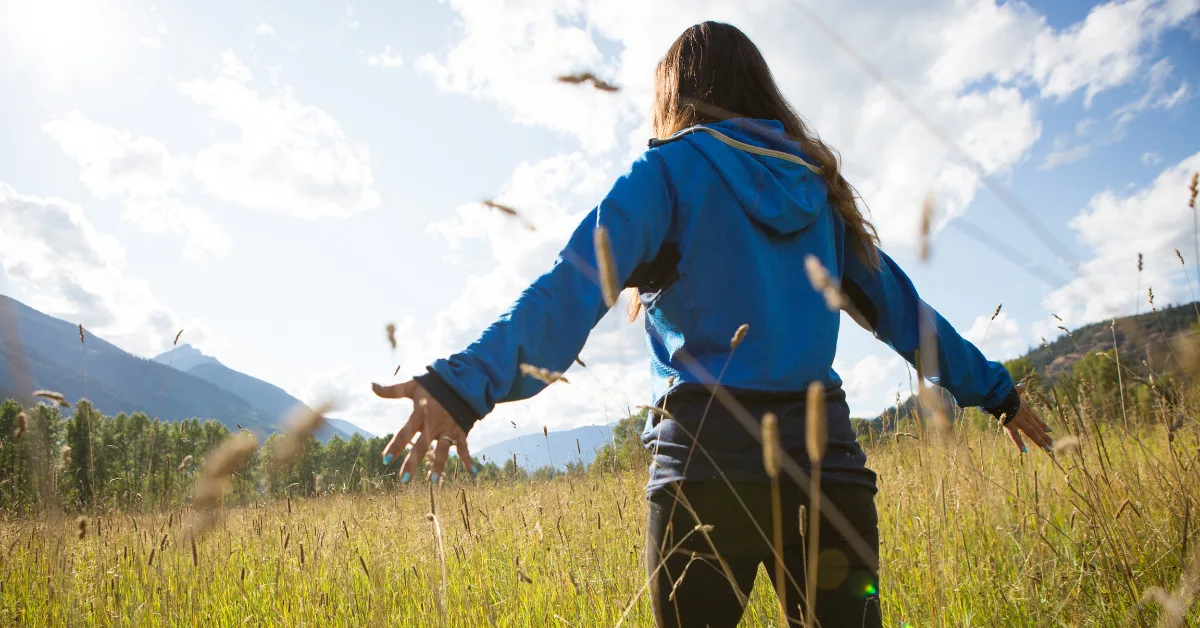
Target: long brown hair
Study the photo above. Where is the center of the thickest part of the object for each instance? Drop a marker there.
(714, 72)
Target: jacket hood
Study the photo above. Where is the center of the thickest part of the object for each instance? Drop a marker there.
(772, 180)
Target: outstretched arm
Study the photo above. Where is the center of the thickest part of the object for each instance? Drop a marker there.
(890, 305)
(548, 324)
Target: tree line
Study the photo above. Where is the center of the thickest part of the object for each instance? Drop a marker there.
(85, 459)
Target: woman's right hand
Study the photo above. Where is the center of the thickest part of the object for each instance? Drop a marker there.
(1027, 422)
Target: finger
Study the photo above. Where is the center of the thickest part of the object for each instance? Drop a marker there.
(1016, 438)
(441, 451)
(403, 436)
(464, 454)
(403, 390)
(415, 455)
(1032, 427)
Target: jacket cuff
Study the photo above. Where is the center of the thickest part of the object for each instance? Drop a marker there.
(443, 393)
(1007, 408)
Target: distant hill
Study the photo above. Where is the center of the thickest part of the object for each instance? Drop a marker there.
(180, 384)
(531, 449)
(1140, 338)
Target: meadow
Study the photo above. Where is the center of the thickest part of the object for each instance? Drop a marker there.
(973, 534)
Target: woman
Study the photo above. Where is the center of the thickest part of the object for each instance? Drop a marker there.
(712, 226)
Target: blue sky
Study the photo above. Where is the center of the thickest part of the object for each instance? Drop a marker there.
(282, 179)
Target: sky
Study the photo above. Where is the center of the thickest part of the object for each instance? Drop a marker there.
(281, 180)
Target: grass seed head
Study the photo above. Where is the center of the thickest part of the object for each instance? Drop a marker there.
(997, 312)
(543, 374)
(185, 463)
(1192, 190)
(1180, 256)
(50, 395)
(303, 423)
(606, 266)
(926, 226)
(65, 454)
(824, 283)
(588, 77)
(1066, 445)
(21, 426)
(81, 341)
(176, 343)
(770, 444)
(1139, 262)
(391, 334)
(739, 336)
(81, 527)
(816, 438)
(219, 467)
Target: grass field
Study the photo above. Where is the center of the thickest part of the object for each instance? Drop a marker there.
(973, 534)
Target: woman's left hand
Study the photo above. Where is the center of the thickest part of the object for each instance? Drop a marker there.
(429, 422)
(1028, 422)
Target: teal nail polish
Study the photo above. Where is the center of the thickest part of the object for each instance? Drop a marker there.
(433, 478)
(405, 477)
(474, 471)
(387, 460)
(1023, 450)
(1049, 429)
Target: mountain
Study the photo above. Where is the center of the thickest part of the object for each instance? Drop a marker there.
(532, 453)
(114, 380)
(268, 399)
(180, 384)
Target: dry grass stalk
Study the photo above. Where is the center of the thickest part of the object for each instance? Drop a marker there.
(218, 471)
(81, 341)
(65, 454)
(303, 423)
(81, 525)
(997, 312)
(185, 463)
(21, 426)
(1192, 188)
(391, 334)
(508, 211)
(815, 439)
(543, 374)
(176, 343)
(579, 361)
(824, 283)
(739, 336)
(606, 266)
(50, 395)
(397, 371)
(770, 443)
(583, 77)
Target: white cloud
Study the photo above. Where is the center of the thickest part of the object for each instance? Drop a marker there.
(1152, 221)
(1156, 95)
(999, 339)
(151, 42)
(385, 59)
(142, 174)
(872, 383)
(291, 157)
(1151, 159)
(78, 273)
(264, 30)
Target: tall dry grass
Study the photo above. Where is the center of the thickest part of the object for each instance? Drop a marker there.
(973, 533)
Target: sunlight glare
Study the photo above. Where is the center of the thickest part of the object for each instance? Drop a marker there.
(56, 37)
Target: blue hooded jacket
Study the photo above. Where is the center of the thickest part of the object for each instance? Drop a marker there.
(713, 227)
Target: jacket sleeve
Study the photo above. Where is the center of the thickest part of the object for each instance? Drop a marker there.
(890, 304)
(549, 323)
